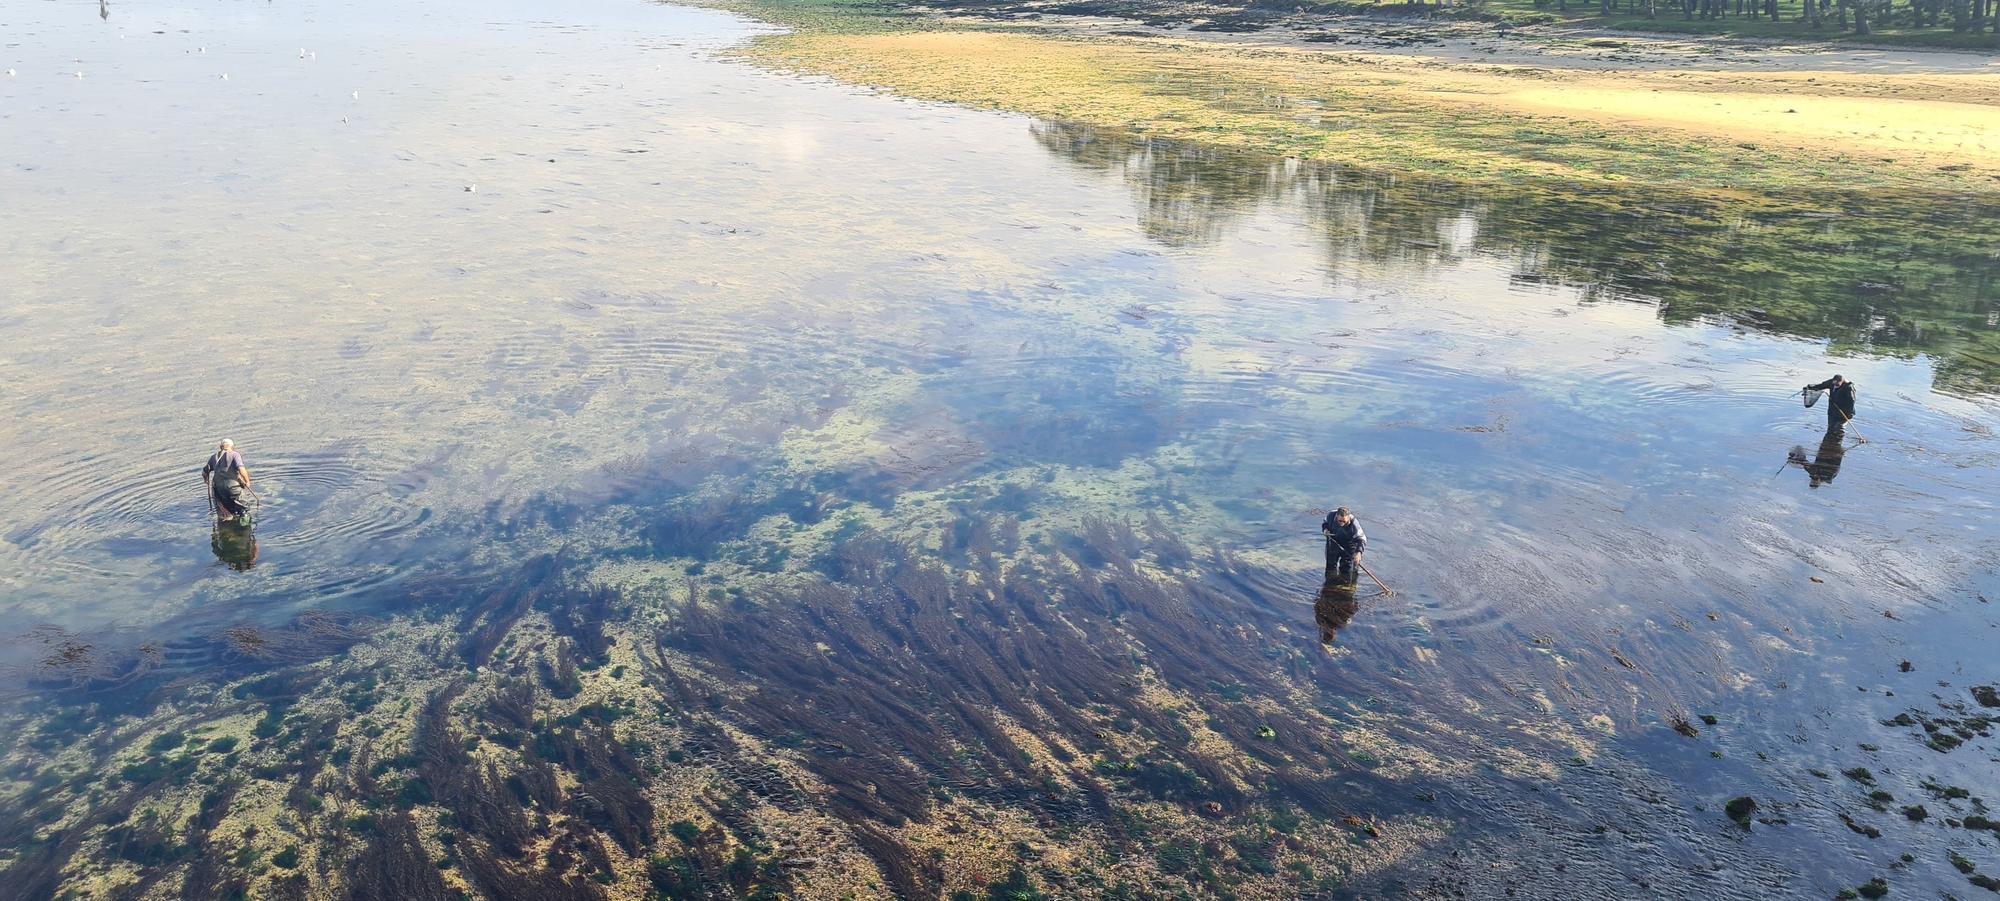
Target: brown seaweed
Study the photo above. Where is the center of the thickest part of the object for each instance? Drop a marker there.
(487, 622)
(579, 614)
(394, 865)
(899, 685)
(503, 881)
(476, 797)
(921, 658)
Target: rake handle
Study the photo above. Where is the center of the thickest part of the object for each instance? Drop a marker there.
(1386, 590)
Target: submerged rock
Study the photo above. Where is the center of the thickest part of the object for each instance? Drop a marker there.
(1740, 810)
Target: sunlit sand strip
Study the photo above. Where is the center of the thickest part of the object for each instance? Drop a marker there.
(1399, 112)
(1907, 131)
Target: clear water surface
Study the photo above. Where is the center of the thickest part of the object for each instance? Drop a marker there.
(782, 382)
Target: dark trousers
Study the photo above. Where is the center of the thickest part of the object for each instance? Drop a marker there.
(230, 496)
(1339, 563)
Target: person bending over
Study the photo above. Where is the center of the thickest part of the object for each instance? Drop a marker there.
(228, 481)
(1344, 544)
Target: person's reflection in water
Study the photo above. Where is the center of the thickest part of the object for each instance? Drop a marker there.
(1335, 608)
(1826, 464)
(104, 9)
(235, 546)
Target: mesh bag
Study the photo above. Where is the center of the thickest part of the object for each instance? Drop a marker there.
(1811, 395)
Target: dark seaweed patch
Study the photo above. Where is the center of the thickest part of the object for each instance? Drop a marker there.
(918, 660)
(394, 865)
(485, 623)
(476, 796)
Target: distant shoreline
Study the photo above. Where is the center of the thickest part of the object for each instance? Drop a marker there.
(1559, 45)
(1716, 117)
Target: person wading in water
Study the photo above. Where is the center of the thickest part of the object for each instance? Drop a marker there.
(1344, 544)
(228, 482)
(1839, 402)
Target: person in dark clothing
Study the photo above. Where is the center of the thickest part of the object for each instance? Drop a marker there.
(1334, 609)
(228, 482)
(1344, 544)
(1839, 399)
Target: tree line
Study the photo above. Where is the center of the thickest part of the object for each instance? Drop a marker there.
(1862, 16)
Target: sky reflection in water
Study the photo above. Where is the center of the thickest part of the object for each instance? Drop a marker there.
(562, 281)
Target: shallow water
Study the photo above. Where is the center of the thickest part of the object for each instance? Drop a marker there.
(913, 446)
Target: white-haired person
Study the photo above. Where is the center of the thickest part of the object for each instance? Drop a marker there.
(228, 482)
